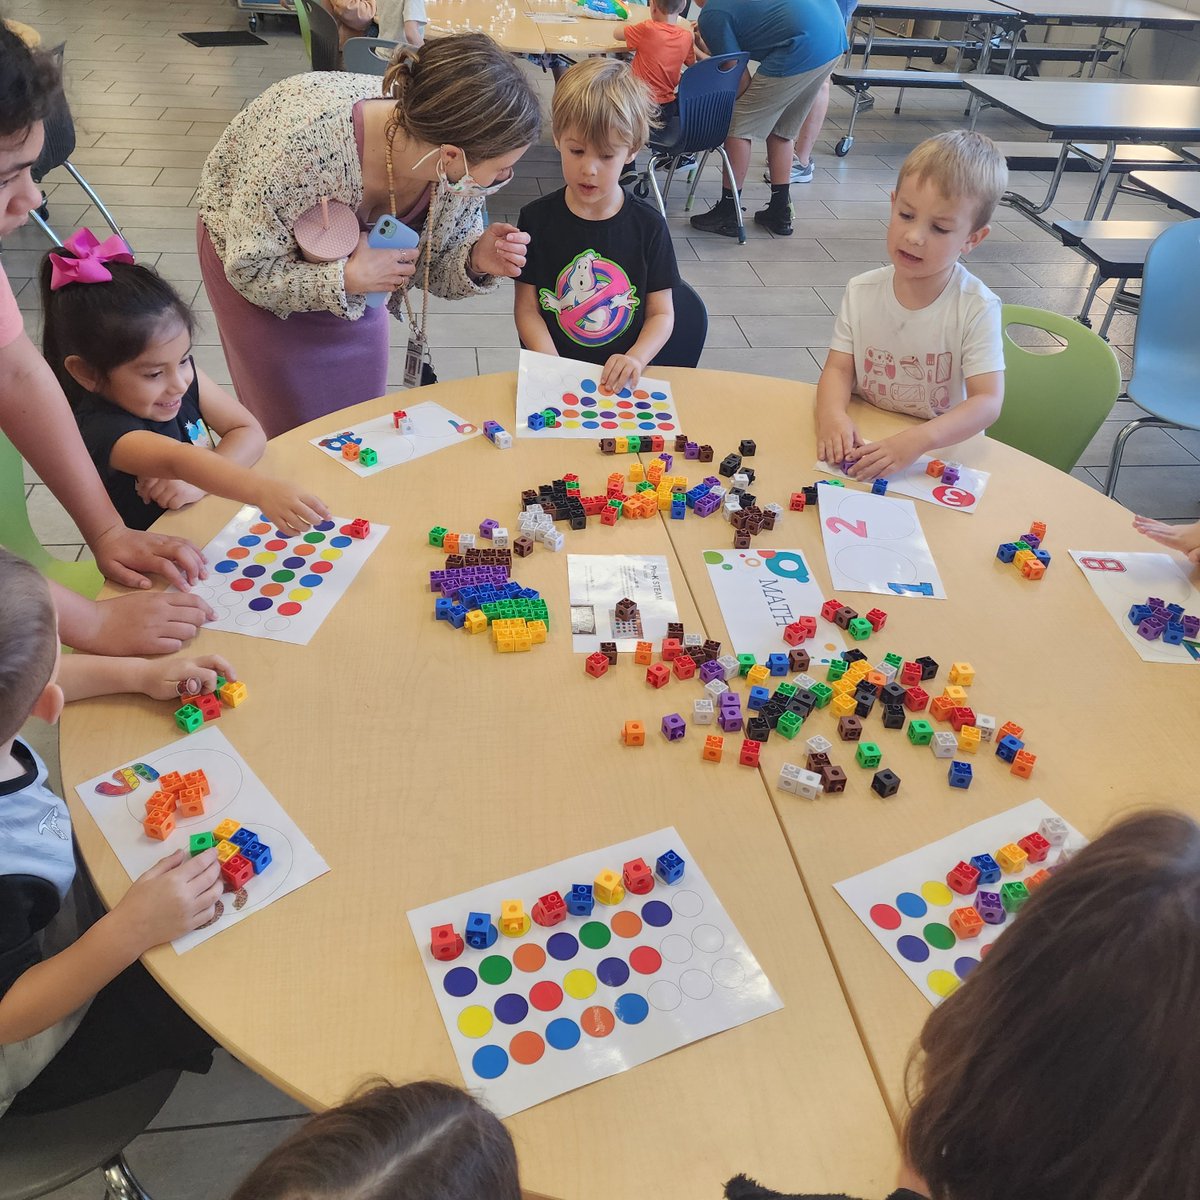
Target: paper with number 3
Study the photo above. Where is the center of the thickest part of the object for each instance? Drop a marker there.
(876, 544)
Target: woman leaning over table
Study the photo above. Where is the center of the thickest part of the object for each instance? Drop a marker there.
(298, 336)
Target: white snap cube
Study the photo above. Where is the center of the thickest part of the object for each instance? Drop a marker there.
(714, 687)
(730, 665)
(819, 745)
(809, 785)
(986, 726)
(1054, 830)
(553, 540)
(466, 541)
(887, 671)
(702, 711)
(944, 745)
(740, 480)
(804, 681)
(500, 537)
(503, 439)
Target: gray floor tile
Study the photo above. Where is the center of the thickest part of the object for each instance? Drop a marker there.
(49, 520)
(794, 363)
(711, 248)
(229, 1092)
(765, 332)
(1146, 448)
(751, 301)
(812, 273)
(1158, 493)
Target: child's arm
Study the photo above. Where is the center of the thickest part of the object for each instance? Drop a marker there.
(1184, 538)
(144, 453)
(175, 896)
(624, 370)
(140, 623)
(619, 33)
(531, 329)
(836, 434)
(985, 397)
(35, 415)
(84, 675)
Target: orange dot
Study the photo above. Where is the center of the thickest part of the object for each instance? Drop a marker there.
(605, 391)
(530, 957)
(305, 549)
(640, 395)
(260, 528)
(271, 589)
(526, 1048)
(597, 1021)
(626, 924)
(238, 552)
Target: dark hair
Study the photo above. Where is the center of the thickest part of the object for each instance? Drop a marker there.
(29, 84)
(423, 1141)
(464, 91)
(1066, 1066)
(105, 324)
(28, 640)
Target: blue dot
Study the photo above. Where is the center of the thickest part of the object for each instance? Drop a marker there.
(511, 1008)
(645, 424)
(259, 604)
(340, 542)
(295, 562)
(225, 566)
(562, 1033)
(591, 424)
(658, 395)
(911, 905)
(562, 946)
(631, 1008)
(249, 540)
(311, 581)
(612, 972)
(965, 965)
(324, 526)
(489, 1062)
(460, 981)
(642, 404)
(588, 385)
(625, 393)
(913, 948)
(655, 912)
(254, 571)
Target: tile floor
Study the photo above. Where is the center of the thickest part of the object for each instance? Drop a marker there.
(149, 106)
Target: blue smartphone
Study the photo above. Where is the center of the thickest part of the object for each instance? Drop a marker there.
(389, 234)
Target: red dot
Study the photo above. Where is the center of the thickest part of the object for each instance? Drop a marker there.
(665, 426)
(290, 609)
(984, 951)
(242, 585)
(645, 960)
(570, 398)
(238, 552)
(276, 544)
(885, 916)
(624, 403)
(526, 1048)
(545, 996)
(608, 425)
(321, 567)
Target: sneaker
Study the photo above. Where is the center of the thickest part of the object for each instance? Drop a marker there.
(778, 220)
(629, 176)
(721, 219)
(801, 173)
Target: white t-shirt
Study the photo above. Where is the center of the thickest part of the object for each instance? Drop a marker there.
(391, 15)
(917, 361)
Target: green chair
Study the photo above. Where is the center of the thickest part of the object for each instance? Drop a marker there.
(1055, 402)
(302, 18)
(16, 533)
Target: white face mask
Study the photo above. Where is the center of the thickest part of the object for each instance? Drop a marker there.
(466, 186)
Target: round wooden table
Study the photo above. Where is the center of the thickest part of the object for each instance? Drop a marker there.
(422, 764)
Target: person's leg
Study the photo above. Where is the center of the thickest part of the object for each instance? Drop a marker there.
(806, 139)
(779, 158)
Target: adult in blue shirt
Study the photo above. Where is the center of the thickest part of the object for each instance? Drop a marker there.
(796, 44)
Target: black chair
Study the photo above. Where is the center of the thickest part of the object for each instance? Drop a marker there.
(324, 36)
(686, 343)
(59, 128)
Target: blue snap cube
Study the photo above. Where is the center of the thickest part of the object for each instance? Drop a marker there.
(580, 900)
(1008, 746)
(757, 698)
(669, 867)
(879, 487)
(1007, 552)
(258, 855)
(244, 837)
(777, 664)
(960, 775)
(480, 932)
(537, 421)
(988, 868)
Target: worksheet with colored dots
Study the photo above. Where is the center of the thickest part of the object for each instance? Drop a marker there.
(583, 408)
(907, 903)
(558, 1007)
(265, 583)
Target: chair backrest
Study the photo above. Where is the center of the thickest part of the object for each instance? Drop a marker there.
(59, 129)
(686, 343)
(707, 93)
(1055, 403)
(17, 535)
(1166, 348)
(305, 32)
(324, 33)
(367, 55)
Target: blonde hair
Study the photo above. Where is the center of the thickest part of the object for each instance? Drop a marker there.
(28, 641)
(600, 102)
(463, 91)
(960, 164)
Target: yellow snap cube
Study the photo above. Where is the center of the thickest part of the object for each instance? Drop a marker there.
(537, 632)
(233, 693)
(956, 695)
(962, 673)
(843, 706)
(476, 622)
(226, 850)
(608, 888)
(1011, 858)
(757, 674)
(968, 739)
(226, 830)
(514, 921)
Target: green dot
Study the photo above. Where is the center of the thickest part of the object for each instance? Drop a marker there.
(595, 936)
(589, 413)
(284, 576)
(713, 557)
(495, 969)
(314, 537)
(939, 936)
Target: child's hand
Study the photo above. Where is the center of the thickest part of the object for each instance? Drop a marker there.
(182, 678)
(836, 438)
(1184, 538)
(178, 894)
(147, 623)
(287, 507)
(168, 493)
(887, 457)
(621, 370)
(123, 554)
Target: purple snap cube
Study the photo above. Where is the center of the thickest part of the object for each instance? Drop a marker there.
(711, 670)
(673, 727)
(1151, 629)
(990, 907)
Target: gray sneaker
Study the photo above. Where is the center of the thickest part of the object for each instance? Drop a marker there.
(801, 173)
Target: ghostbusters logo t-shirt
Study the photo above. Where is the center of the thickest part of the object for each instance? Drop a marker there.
(593, 277)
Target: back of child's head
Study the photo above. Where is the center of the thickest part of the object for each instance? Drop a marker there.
(28, 641)
(1067, 1066)
(601, 102)
(423, 1141)
(672, 8)
(961, 164)
(29, 85)
(106, 323)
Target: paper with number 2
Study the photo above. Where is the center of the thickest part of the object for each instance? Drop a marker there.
(876, 544)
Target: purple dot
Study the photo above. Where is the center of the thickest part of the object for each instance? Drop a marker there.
(562, 946)
(225, 566)
(965, 965)
(249, 540)
(912, 948)
(340, 542)
(260, 604)
(460, 981)
(642, 404)
(608, 416)
(511, 1008)
(254, 571)
(655, 912)
(612, 972)
(324, 526)
(295, 562)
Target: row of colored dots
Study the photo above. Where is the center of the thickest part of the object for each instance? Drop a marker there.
(664, 426)
(590, 386)
(579, 983)
(910, 904)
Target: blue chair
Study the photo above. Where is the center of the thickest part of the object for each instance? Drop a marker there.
(1166, 350)
(686, 343)
(362, 55)
(707, 94)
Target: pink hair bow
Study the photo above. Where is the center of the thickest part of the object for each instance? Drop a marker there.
(90, 256)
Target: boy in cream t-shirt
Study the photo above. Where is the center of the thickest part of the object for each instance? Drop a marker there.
(921, 336)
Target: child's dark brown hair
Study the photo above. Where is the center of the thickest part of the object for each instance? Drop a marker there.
(423, 1141)
(1067, 1066)
(106, 324)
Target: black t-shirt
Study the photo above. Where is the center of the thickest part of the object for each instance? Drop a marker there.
(102, 425)
(593, 277)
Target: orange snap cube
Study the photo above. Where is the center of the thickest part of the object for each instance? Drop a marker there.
(966, 922)
(196, 779)
(159, 824)
(643, 655)
(191, 803)
(634, 733)
(161, 800)
(172, 781)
